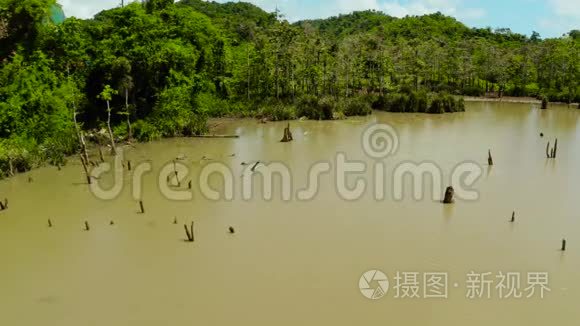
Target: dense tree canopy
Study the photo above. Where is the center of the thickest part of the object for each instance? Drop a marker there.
(171, 65)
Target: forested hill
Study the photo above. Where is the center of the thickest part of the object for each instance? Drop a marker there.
(160, 69)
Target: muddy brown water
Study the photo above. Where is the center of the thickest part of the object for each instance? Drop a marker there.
(299, 263)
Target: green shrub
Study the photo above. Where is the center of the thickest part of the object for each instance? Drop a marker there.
(357, 106)
(144, 131)
(277, 112)
(326, 107)
(306, 106)
(437, 106)
(473, 91)
(176, 113)
(316, 109)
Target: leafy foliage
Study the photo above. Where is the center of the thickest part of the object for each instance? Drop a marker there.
(169, 66)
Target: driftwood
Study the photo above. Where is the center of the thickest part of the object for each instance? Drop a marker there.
(489, 158)
(189, 232)
(287, 135)
(449, 193)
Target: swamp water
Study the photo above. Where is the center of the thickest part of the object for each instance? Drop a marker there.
(299, 262)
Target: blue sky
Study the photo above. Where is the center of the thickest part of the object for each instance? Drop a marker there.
(551, 18)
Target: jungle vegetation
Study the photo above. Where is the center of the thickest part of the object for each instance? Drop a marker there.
(157, 68)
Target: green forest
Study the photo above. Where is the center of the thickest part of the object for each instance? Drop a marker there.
(160, 69)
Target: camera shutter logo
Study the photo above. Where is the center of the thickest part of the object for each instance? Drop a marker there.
(374, 284)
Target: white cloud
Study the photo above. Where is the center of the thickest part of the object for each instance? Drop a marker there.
(397, 8)
(415, 7)
(87, 8)
(570, 8)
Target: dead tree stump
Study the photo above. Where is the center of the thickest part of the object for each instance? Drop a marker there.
(85, 167)
(552, 152)
(4, 205)
(287, 135)
(449, 193)
(142, 207)
(253, 169)
(101, 155)
(544, 103)
(489, 158)
(564, 245)
(189, 232)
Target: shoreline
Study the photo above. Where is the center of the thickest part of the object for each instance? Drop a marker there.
(511, 99)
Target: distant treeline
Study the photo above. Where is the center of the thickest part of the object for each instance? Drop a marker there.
(166, 67)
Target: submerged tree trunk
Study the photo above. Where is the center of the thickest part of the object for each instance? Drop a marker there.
(113, 147)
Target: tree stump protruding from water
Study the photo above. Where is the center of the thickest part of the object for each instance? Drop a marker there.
(552, 152)
(87, 226)
(232, 230)
(189, 232)
(449, 193)
(489, 158)
(85, 167)
(564, 244)
(513, 217)
(4, 205)
(253, 169)
(142, 207)
(49, 223)
(287, 135)
(544, 103)
(101, 156)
